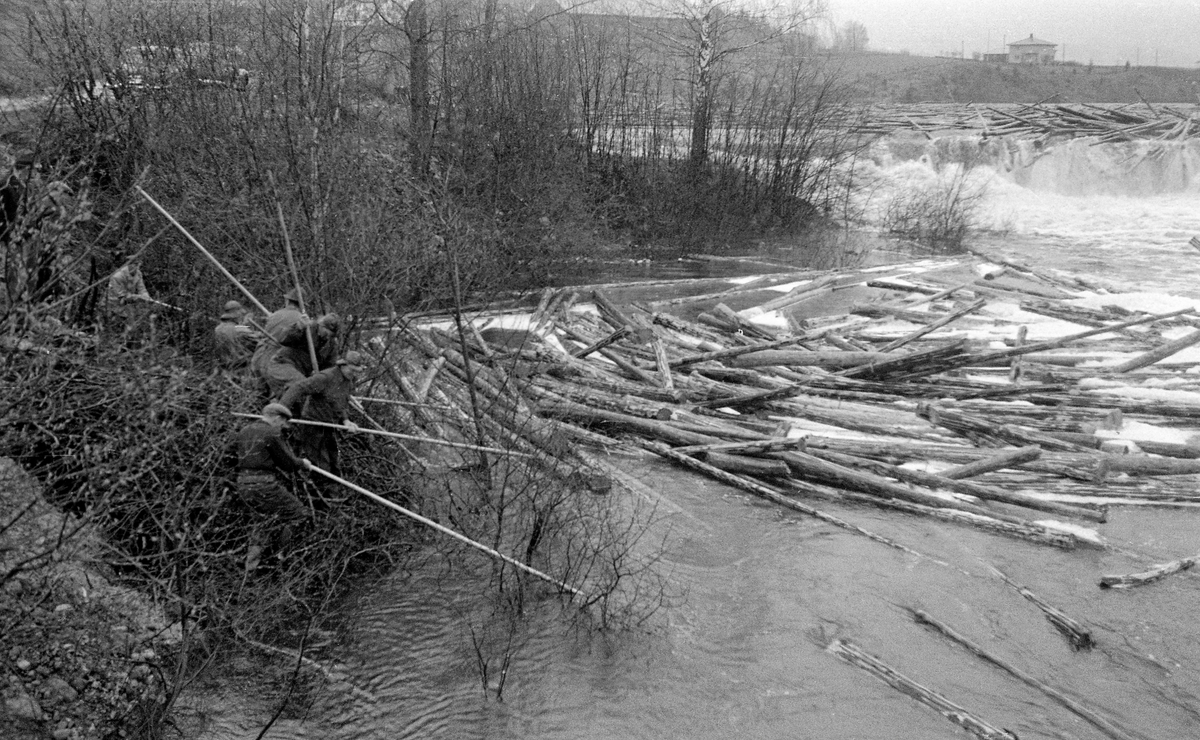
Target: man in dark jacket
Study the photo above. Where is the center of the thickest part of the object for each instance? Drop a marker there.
(262, 455)
(324, 397)
(292, 360)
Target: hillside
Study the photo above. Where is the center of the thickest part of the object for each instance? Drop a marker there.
(903, 78)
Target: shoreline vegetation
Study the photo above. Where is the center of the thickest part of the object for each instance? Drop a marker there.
(436, 163)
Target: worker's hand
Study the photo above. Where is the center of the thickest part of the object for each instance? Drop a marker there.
(351, 426)
(307, 463)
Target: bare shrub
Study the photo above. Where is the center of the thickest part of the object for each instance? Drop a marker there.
(940, 216)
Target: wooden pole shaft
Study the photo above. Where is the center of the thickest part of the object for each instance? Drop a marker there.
(396, 435)
(447, 531)
(245, 291)
(291, 260)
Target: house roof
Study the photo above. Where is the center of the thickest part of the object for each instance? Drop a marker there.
(1031, 41)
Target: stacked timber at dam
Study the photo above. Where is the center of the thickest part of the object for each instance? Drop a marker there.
(1106, 123)
(969, 391)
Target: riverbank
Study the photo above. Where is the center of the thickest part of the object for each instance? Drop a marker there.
(82, 657)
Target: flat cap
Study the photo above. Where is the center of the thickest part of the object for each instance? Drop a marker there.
(277, 409)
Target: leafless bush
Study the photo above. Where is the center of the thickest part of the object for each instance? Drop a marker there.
(939, 216)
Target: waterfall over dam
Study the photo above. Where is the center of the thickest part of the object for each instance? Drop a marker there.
(1065, 166)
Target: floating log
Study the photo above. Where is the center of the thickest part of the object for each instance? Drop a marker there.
(957, 714)
(745, 465)
(1105, 725)
(751, 447)
(971, 308)
(764, 491)
(1007, 459)
(1079, 636)
(987, 493)
(1156, 573)
(1158, 353)
(741, 324)
(766, 358)
(725, 354)
(600, 344)
(809, 466)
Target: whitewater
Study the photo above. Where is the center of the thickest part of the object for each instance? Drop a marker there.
(1120, 213)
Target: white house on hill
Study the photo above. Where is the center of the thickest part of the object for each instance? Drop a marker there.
(1031, 51)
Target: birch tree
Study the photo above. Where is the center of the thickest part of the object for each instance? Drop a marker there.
(713, 32)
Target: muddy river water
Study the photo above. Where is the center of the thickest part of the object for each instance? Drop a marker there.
(758, 593)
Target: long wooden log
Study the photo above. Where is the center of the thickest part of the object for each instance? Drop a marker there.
(987, 493)
(754, 287)
(746, 465)
(910, 364)
(1079, 636)
(806, 359)
(1155, 573)
(575, 412)
(1006, 459)
(615, 336)
(1158, 353)
(972, 426)
(819, 286)
(957, 714)
(609, 310)
(808, 466)
(770, 494)
(725, 354)
(934, 326)
(1004, 354)
(741, 323)
(749, 447)
(1101, 723)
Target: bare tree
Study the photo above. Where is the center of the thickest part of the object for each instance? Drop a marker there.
(851, 37)
(712, 33)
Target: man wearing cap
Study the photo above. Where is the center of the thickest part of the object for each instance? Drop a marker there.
(278, 325)
(262, 455)
(324, 397)
(234, 340)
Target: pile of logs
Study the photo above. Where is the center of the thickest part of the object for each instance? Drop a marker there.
(853, 406)
(921, 390)
(1108, 123)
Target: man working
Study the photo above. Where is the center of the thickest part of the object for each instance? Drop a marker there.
(128, 299)
(278, 325)
(263, 454)
(292, 360)
(324, 397)
(234, 340)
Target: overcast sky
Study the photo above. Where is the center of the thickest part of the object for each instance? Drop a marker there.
(1101, 31)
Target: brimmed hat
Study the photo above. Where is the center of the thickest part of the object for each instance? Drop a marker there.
(295, 295)
(353, 357)
(233, 310)
(277, 409)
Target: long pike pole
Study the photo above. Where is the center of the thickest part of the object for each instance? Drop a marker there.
(395, 435)
(198, 245)
(291, 260)
(444, 530)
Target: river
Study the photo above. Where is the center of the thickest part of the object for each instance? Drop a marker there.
(739, 651)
